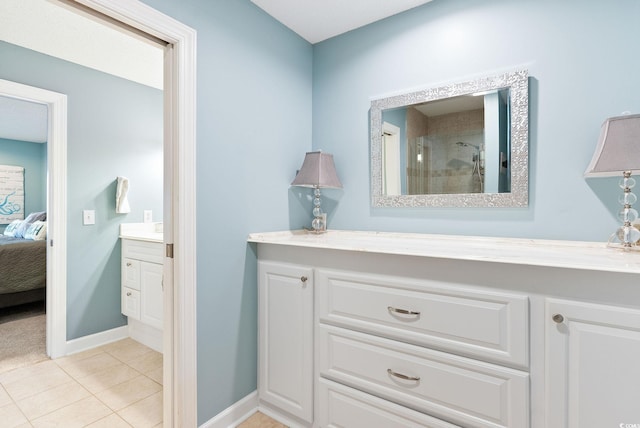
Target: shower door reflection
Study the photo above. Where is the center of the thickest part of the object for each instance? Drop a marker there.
(446, 164)
(446, 151)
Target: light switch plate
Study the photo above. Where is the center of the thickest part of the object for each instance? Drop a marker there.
(88, 217)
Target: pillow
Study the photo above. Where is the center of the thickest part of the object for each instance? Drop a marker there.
(37, 231)
(22, 228)
(10, 230)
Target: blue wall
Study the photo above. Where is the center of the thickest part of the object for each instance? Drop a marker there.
(33, 157)
(253, 129)
(582, 70)
(114, 128)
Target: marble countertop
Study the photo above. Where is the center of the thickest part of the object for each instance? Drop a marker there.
(150, 232)
(535, 252)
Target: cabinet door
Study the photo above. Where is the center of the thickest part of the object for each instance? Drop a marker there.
(286, 338)
(151, 293)
(593, 373)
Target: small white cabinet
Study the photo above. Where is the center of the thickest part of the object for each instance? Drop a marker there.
(593, 368)
(285, 306)
(142, 290)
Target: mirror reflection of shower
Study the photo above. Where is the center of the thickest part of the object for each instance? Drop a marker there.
(478, 163)
(446, 164)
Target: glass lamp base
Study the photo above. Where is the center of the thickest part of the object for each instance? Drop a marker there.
(318, 225)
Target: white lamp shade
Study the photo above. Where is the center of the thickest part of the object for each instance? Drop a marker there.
(318, 170)
(618, 148)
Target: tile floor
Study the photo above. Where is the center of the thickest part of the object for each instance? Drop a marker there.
(116, 385)
(260, 420)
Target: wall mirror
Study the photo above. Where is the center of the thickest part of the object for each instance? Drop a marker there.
(460, 145)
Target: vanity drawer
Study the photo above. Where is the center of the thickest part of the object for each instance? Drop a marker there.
(130, 272)
(489, 325)
(465, 391)
(130, 303)
(143, 250)
(341, 406)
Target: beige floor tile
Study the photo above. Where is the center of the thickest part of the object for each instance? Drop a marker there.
(34, 384)
(86, 366)
(145, 413)
(107, 378)
(57, 393)
(127, 350)
(156, 375)
(260, 420)
(77, 415)
(11, 416)
(37, 369)
(79, 356)
(111, 421)
(4, 397)
(147, 362)
(52, 399)
(120, 396)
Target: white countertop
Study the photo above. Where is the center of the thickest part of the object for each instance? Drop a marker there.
(150, 232)
(534, 252)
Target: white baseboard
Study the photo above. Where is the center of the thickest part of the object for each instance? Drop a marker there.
(234, 414)
(94, 340)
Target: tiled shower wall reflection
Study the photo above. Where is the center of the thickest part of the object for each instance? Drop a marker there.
(445, 152)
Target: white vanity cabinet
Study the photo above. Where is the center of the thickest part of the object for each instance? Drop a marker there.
(593, 365)
(142, 289)
(409, 330)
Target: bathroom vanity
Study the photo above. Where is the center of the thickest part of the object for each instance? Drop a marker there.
(142, 290)
(362, 329)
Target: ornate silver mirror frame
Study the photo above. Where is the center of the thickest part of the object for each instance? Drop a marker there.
(517, 83)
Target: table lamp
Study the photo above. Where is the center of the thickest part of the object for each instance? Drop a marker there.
(317, 171)
(618, 154)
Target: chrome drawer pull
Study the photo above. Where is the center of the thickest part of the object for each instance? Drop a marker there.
(558, 318)
(128, 264)
(401, 376)
(402, 311)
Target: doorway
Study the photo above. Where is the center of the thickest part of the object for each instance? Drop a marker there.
(56, 207)
(179, 222)
(180, 398)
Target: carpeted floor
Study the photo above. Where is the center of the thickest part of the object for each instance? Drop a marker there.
(22, 335)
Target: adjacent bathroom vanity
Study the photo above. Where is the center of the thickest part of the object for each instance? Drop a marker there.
(365, 329)
(142, 289)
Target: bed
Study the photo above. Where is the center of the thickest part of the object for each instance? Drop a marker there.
(23, 270)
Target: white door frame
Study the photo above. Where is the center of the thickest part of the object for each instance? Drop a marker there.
(56, 208)
(180, 374)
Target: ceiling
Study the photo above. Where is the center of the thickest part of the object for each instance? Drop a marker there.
(23, 120)
(318, 20)
(54, 29)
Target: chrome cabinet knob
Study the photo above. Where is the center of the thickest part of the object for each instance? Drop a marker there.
(303, 279)
(558, 318)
